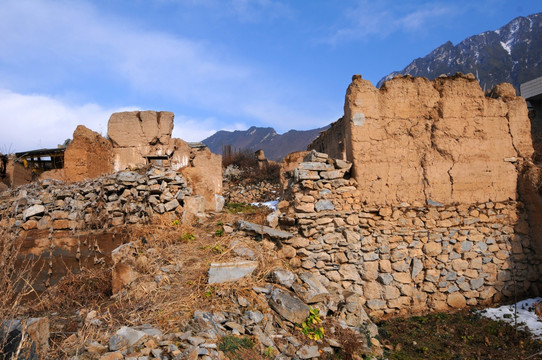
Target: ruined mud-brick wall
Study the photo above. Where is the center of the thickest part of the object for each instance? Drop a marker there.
(409, 257)
(135, 140)
(71, 225)
(441, 140)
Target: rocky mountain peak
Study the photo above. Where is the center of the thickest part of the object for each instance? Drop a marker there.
(512, 53)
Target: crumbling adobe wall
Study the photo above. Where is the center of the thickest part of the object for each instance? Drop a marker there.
(89, 155)
(205, 177)
(16, 173)
(405, 258)
(416, 140)
(136, 134)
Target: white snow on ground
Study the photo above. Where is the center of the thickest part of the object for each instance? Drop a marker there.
(270, 204)
(526, 317)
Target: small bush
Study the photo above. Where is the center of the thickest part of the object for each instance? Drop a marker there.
(240, 208)
(231, 343)
(312, 326)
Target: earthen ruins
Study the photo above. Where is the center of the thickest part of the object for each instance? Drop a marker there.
(422, 197)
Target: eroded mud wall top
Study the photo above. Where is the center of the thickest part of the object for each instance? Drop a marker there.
(139, 128)
(416, 140)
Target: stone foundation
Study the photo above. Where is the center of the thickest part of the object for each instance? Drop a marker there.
(411, 257)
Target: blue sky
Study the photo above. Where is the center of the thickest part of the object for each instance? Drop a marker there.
(217, 64)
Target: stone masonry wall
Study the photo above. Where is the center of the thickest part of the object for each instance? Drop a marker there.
(67, 226)
(410, 257)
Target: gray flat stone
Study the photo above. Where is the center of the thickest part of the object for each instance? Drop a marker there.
(323, 205)
(260, 229)
(313, 291)
(124, 338)
(305, 175)
(315, 166)
(417, 267)
(341, 164)
(289, 306)
(128, 176)
(333, 174)
(315, 156)
(172, 205)
(308, 352)
(283, 277)
(34, 210)
(230, 271)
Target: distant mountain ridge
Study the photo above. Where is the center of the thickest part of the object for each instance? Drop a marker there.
(511, 54)
(275, 146)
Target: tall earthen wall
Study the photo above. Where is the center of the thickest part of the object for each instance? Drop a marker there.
(405, 258)
(416, 140)
(432, 214)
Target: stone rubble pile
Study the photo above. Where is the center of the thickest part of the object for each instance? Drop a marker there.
(250, 193)
(125, 197)
(270, 315)
(407, 258)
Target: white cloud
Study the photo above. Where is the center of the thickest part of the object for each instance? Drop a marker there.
(37, 121)
(53, 42)
(56, 47)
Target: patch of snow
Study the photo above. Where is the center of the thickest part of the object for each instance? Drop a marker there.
(498, 32)
(506, 46)
(265, 137)
(270, 204)
(526, 317)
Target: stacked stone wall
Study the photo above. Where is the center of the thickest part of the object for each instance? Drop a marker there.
(411, 257)
(111, 200)
(64, 227)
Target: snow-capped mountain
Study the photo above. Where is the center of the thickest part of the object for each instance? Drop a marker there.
(511, 54)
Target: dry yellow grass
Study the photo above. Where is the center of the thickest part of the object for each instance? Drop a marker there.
(165, 300)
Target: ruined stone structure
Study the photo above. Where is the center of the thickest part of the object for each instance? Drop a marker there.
(68, 226)
(138, 139)
(416, 140)
(405, 258)
(429, 216)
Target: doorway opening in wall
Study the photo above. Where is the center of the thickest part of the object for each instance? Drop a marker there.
(158, 160)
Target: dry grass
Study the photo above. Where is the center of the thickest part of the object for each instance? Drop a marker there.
(15, 281)
(173, 261)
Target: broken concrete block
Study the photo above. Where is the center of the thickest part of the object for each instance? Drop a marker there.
(230, 271)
